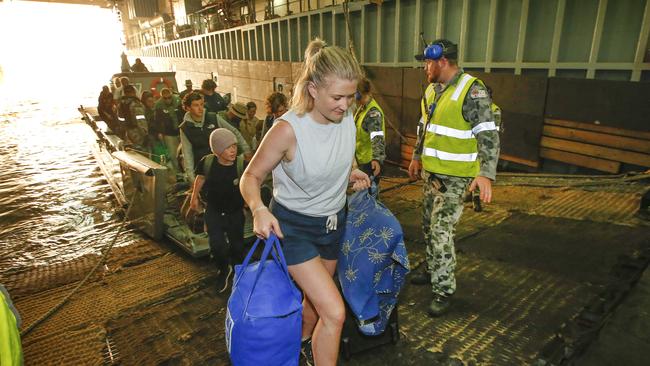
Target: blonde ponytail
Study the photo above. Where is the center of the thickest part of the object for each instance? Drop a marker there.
(322, 61)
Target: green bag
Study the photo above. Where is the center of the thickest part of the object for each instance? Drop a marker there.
(158, 151)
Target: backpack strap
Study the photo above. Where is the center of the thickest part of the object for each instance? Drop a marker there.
(240, 165)
(207, 164)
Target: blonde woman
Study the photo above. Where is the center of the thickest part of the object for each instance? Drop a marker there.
(310, 150)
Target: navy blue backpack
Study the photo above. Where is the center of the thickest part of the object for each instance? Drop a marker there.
(264, 318)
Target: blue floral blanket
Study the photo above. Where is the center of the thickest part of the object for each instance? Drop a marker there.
(373, 262)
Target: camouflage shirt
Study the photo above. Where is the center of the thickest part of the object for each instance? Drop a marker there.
(476, 109)
(372, 123)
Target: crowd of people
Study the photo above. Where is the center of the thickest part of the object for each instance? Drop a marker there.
(316, 146)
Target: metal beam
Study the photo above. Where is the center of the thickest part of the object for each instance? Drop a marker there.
(418, 27)
(398, 10)
(557, 35)
(264, 41)
(238, 46)
(333, 27)
(310, 33)
(463, 31)
(272, 43)
(362, 36)
(348, 36)
(440, 17)
(280, 41)
(299, 39)
(489, 48)
(521, 40)
(250, 45)
(379, 30)
(528, 65)
(257, 51)
(642, 43)
(320, 24)
(289, 40)
(224, 46)
(595, 41)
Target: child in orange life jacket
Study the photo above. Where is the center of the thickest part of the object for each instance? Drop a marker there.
(217, 185)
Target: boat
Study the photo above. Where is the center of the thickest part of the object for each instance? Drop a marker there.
(143, 185)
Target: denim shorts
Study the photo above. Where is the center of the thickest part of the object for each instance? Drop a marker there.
(307, 237)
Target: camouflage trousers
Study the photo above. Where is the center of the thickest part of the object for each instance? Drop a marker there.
(441, 212)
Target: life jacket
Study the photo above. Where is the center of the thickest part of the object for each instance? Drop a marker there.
(200, 136)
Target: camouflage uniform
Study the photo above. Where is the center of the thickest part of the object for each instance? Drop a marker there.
(372, 123)
(442, 210)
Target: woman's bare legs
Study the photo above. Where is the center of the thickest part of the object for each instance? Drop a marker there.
(315, 279)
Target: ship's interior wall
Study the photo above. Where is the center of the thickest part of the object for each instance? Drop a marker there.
(592, 39)
(526, 100)
(548, 62)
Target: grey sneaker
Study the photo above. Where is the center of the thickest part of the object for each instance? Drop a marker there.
(439, 306)
(222, 279)
(306, 355)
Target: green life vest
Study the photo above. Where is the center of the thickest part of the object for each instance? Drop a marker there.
(11, 353)
(364, 145)
(207, 164)
(450, 146)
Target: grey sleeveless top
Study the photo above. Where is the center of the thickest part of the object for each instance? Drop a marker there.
(315, 181)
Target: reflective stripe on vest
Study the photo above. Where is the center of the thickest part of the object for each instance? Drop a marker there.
(363, 150)
(450, 146)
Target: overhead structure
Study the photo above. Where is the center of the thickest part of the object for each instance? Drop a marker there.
(599, 39)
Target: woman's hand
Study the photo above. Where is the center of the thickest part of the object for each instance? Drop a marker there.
(359, 180)
(264, 223)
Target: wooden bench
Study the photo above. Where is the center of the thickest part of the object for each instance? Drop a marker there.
(593, 146)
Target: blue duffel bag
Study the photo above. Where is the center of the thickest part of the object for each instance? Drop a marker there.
(264, 317)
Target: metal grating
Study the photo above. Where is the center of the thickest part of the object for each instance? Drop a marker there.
(595, 206)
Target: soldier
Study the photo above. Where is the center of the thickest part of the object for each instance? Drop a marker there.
(457, 148)
(371, 129)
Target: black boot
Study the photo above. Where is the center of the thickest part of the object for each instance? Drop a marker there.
(438, 306)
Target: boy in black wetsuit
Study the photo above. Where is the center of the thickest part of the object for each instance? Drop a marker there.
(217, 184)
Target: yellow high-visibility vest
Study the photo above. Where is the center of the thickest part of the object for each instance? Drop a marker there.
(11, 352)
(363, 150)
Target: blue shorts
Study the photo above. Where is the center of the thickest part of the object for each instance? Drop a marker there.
(306, 237)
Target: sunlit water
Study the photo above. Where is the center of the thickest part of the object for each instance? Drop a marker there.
(55, 205)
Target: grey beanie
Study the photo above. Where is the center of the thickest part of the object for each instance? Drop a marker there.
(221, 139)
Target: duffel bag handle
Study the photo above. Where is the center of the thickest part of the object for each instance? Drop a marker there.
(269, 244)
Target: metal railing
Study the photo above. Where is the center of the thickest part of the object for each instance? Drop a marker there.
(202, 22)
